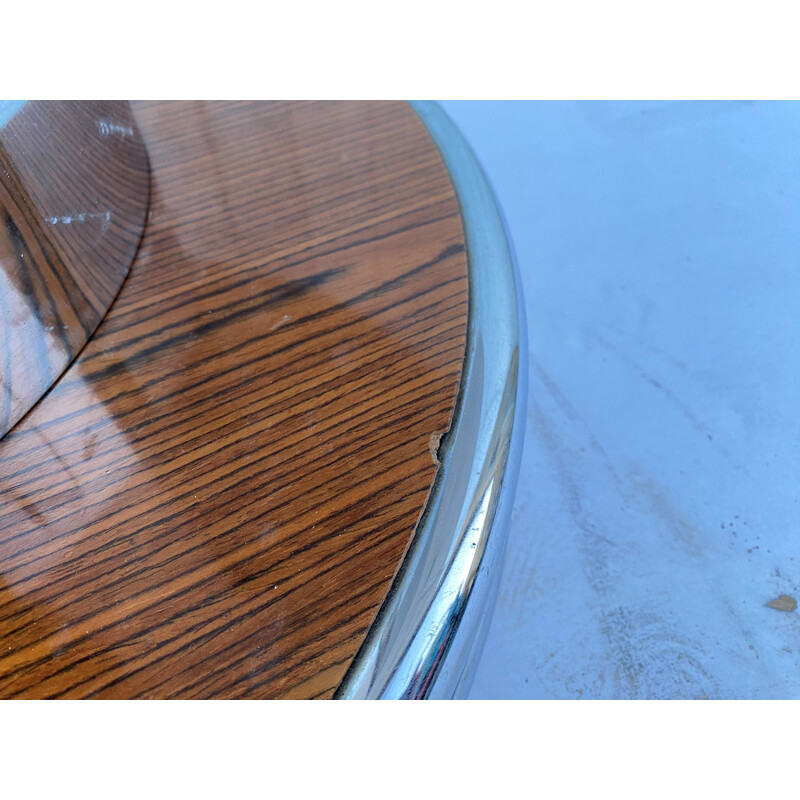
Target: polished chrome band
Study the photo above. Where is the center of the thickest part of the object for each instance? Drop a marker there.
(431, 628)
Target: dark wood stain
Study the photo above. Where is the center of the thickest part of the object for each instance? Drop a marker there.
(73, 196)
(213, 499)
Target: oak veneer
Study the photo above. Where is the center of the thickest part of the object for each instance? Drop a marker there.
(213, 499)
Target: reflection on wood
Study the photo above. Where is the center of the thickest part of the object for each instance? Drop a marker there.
(214, 498)
(73, 198)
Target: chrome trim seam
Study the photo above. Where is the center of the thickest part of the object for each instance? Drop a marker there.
(431, 628)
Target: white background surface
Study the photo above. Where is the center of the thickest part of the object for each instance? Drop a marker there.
(657, 510)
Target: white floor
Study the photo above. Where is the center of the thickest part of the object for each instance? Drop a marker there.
(657, 512)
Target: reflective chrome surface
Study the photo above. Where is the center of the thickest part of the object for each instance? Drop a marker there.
(432, 625)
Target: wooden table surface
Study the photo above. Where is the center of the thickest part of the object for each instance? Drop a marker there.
(74, 183)
(213, 499)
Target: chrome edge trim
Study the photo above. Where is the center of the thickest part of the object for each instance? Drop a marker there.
(429, 632)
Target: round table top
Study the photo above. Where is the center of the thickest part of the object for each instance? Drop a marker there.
(215, 496)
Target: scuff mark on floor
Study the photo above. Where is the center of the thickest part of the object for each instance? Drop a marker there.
(783, 603)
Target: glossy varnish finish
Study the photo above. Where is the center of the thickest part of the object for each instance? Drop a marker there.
(73, 198)
(214, 498)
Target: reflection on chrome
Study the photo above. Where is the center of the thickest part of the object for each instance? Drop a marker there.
(430, 630)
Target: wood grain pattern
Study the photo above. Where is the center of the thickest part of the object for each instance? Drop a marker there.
(213, 499)
(73, 196)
